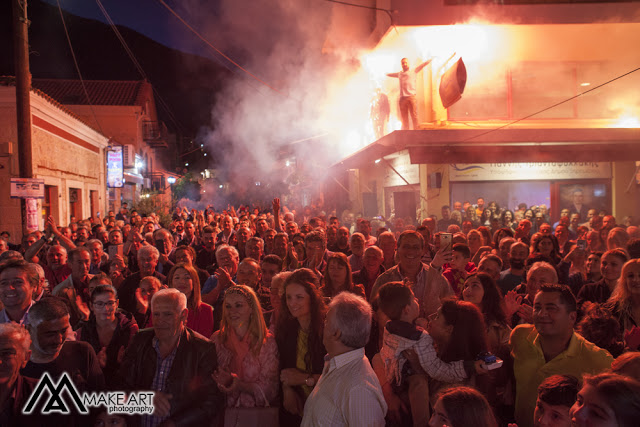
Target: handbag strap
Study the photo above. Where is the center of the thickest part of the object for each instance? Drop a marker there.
(266, 402)
(264, 396)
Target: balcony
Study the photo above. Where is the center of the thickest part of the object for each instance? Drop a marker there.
(154, 134)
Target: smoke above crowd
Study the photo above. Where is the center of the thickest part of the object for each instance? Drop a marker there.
(270, 118)
(301, 103)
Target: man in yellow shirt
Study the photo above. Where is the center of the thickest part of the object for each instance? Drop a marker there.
(550, 347)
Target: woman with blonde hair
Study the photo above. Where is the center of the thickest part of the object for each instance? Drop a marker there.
(184, 278)
(248, 364)
(625, 303)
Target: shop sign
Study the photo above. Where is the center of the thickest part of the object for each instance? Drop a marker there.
(115, 171)
(528, 171)
(402, 164)
(27, 188)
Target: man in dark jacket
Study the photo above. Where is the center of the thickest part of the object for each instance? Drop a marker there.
(14, 388)
(174, 362)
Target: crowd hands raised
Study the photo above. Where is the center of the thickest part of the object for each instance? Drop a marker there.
(242, 316)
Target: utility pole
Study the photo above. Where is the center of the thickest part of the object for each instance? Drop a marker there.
(23, 88)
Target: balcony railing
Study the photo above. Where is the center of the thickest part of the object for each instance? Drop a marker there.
(154, 134)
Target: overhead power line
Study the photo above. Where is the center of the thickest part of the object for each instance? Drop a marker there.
(139, 67)
(194, 31)
(75, 62)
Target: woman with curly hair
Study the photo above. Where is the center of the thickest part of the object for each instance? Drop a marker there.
(507, 219)
(247, 352)
(600, 327)
(338, 278)
(299, 338)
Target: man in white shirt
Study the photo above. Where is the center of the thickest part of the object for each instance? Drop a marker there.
(348, 392)
(408, 103)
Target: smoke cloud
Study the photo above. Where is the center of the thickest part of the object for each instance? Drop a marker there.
(257, 126)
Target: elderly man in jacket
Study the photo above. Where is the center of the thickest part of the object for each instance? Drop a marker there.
(174, 362)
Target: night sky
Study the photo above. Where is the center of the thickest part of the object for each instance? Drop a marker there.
(148, 17)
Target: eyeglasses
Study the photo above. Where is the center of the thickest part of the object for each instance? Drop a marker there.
(101, 304)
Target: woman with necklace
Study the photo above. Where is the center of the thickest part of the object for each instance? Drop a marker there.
(247, 352)
(299, 338)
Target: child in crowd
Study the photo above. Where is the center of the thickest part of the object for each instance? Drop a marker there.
(402, 334)
(459, 267)
(556, 396)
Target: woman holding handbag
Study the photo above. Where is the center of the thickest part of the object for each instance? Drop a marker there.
(248, 365)
(299, 338)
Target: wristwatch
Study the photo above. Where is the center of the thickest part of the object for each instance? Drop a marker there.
(310, 381)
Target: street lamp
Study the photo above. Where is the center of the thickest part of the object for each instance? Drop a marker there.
(171, 180)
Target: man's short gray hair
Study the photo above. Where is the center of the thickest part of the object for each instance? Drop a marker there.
(164, 232)
(92, 241)
(173, 294)
(37, 269)
(542, 265)
(14, 332)
(226, 247)
(148, 250)
(352, 318)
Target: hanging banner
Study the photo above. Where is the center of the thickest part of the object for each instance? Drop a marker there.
(528, 171)
(33, 219)
(115, 171)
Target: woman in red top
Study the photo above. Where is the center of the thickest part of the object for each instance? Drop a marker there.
(184, 278)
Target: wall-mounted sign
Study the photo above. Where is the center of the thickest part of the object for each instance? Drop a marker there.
(27, 188)
(528, 171)
(402, 164)
(115, 171)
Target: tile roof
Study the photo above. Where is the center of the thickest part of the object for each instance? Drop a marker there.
(11, 81)
(101, 92)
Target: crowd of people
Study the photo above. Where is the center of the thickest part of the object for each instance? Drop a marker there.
(485, 317)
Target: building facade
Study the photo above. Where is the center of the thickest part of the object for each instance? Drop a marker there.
(67, 154)
(549, 107)
(124, 111)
